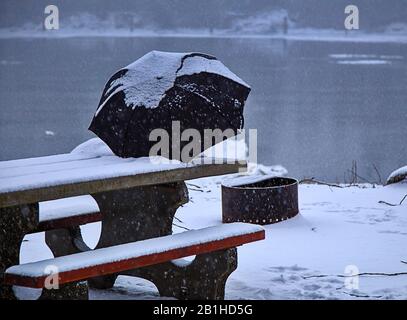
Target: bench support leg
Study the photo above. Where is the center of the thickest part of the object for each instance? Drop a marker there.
(68, 291)
(203, 279)
(15, 223)
(135, 214)
(63, 242)
(146, 212)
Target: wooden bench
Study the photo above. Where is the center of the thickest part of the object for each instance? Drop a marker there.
(136, 203)
(134, 255)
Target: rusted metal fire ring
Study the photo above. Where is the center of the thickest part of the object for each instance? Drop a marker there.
(265, 201)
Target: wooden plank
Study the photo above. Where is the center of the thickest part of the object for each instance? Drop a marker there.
(61, 166)
(142, 261)
(67, 222)
(36, 194)
(58, 158)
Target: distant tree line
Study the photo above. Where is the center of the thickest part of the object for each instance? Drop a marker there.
(210, 13)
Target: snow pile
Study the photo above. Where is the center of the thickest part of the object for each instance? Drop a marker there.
(147, 79)
(255, 173)
(94, 147)
(397, 175)
(236, 148)
(232, 148)
(248, 179)
(255, 169)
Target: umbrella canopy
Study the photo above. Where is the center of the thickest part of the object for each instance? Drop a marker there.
(161, 87)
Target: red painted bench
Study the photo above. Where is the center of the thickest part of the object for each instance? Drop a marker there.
(138, 254)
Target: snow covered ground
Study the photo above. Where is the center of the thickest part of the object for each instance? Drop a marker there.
(338, 230)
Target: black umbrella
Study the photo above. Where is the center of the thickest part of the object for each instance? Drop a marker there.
(161, 87)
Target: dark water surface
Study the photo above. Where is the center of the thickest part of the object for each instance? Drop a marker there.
(315, 113)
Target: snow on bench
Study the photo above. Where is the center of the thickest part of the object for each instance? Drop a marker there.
(110, 260)
(68, 212)
(47, 178)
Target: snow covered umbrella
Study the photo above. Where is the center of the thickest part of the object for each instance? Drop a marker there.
(162, 88)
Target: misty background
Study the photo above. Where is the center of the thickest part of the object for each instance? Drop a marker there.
(322, 101)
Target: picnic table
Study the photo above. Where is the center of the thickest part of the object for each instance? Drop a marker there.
(137, 200)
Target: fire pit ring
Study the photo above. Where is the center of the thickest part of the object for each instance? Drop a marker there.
(265, 201)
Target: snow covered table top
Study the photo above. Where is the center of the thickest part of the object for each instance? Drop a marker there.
(32, 180)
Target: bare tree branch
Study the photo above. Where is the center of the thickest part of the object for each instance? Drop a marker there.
(378, 174)
(394, 204)
(194, 185)
(358, 176)
(402, 200)
(360, 296)
(185, 228)
(314, 181)
(178, 219)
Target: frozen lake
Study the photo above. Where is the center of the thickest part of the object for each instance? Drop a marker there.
(317, 105)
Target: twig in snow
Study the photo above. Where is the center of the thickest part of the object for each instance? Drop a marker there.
(354, 174)
(185, 228)
(356, 295)
(200, 189)
(194, 185)
(360, 296)
(405, 262)
(389, 204)
(313, 180)
(178, 219)
(357, 275)
(394, 204)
